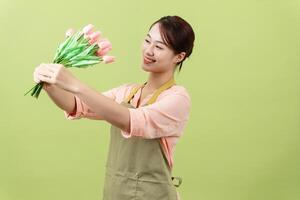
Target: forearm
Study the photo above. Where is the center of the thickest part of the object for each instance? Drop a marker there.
(105, 107)
(63, 99)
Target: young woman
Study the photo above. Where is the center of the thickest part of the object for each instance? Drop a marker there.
(146, 119)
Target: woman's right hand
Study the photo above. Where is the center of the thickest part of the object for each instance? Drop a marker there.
(40, 70)
(60, 97)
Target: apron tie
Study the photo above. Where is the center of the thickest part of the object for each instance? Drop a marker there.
(179, 181)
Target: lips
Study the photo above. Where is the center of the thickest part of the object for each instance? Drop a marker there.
(148, 60)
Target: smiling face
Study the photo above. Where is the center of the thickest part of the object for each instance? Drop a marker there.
(157, 56)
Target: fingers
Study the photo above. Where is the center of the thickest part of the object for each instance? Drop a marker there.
(49, 68)
(45, 79)
(42, 71)
(47, 73)
(53, 66)
(35, 78)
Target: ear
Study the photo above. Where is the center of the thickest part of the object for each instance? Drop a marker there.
(179, 57)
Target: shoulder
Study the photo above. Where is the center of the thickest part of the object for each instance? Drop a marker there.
(176, 91)
(174, 102)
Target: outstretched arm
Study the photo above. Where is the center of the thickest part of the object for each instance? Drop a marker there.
(108, 109)
(63, 99)
(62, 78)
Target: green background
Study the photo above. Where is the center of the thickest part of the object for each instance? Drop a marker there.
(242, 141)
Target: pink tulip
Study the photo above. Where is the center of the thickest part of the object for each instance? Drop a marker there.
(69, 32)
(102, 52)
(104, 44)
(88, 29)
(94, 37)
(102, 40)
(108, 59)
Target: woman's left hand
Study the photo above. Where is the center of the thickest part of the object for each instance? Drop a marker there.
(58, 75)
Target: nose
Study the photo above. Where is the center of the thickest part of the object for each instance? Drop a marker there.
(149, 50)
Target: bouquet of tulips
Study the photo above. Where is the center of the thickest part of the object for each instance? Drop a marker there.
(80, 49)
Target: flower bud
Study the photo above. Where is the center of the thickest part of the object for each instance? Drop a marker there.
(88, 29)
(108, 59)
(104, 44)
(69, 32)
(94, 37)
(102, 52)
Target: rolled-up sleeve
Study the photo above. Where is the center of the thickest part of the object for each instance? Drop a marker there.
(166, 117)
(81, 111)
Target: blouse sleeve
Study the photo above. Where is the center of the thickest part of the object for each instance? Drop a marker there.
(166, 117)
(83, 111)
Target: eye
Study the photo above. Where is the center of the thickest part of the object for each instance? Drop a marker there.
(158, 47)
(146, 40)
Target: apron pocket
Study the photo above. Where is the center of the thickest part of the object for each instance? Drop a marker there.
(150, 190)
(119, 188)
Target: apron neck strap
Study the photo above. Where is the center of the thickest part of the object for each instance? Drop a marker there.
(164, 87)
(157, 92)
(133, 92)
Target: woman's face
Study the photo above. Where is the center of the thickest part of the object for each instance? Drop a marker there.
(157, 57)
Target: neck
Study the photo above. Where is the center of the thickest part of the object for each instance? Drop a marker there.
(156, 80)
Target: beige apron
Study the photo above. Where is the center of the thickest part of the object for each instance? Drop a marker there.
(137, 168)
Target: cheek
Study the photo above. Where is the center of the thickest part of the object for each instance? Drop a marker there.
(144, 46)
(164, 56)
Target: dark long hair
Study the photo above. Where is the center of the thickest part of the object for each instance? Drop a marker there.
(177, 34)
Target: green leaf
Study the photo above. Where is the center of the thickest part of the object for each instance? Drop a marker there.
(85, 63)
(61, 47)
(69, 53)
(85, 52)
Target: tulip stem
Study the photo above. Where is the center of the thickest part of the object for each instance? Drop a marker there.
(36, 90)
(29, 90)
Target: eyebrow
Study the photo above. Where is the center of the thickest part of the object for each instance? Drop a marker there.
(157, 40)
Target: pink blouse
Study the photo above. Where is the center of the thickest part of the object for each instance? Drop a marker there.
(164, 119)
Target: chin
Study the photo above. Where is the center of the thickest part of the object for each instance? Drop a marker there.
(148, 68)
